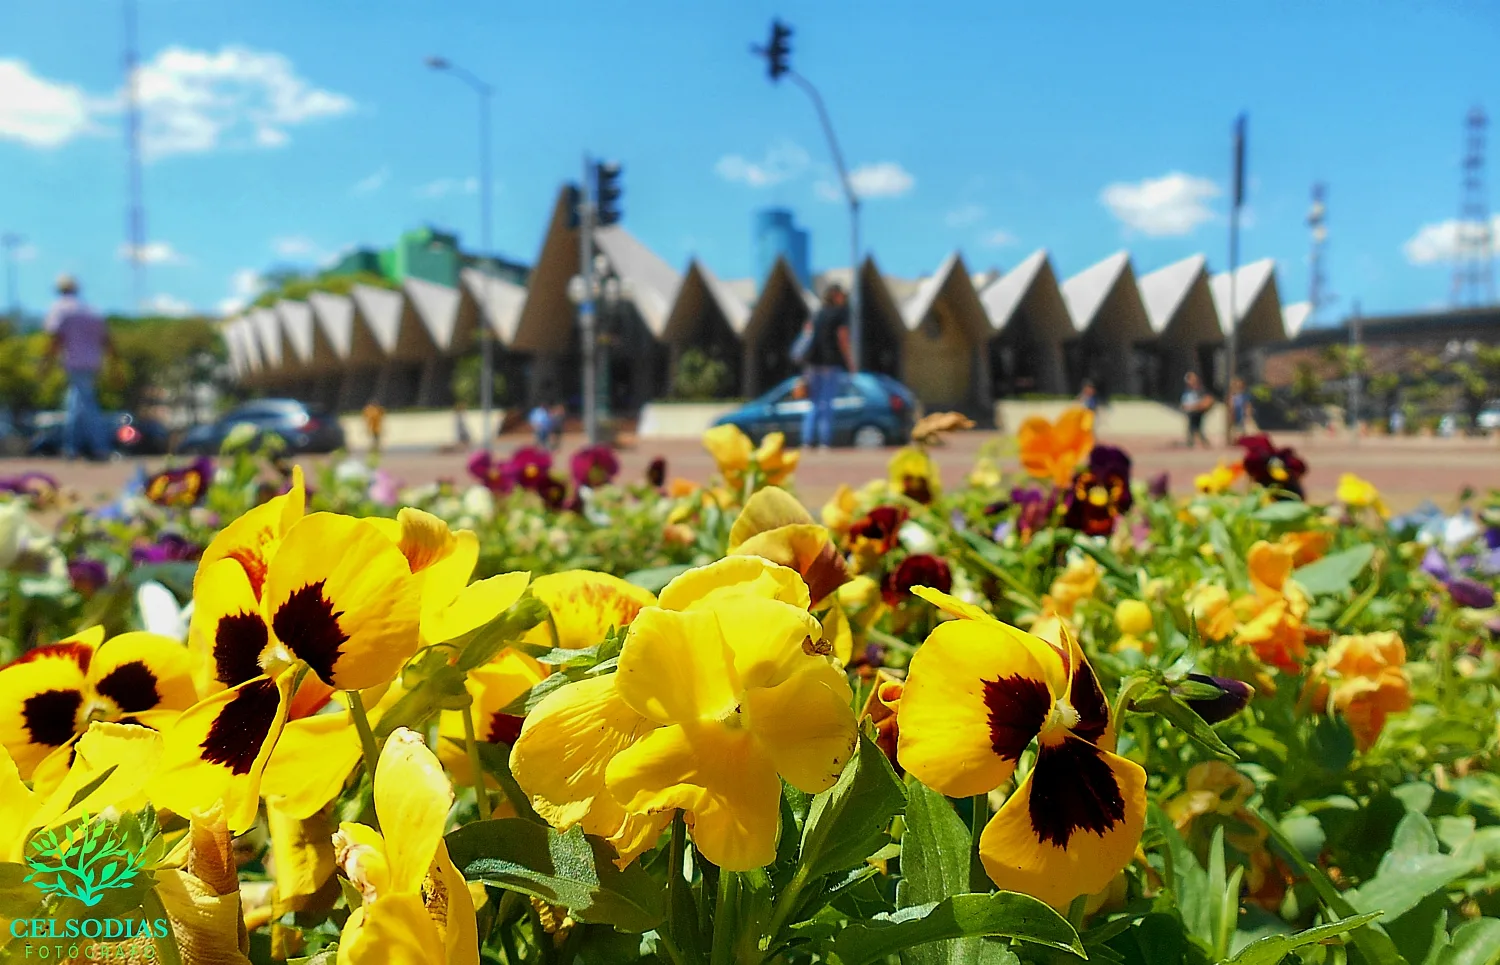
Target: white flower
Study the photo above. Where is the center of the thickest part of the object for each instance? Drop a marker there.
(480, 502)
(352, 471)
(916, 539)
(160, 612)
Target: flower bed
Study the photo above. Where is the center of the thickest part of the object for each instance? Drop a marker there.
(545, 715)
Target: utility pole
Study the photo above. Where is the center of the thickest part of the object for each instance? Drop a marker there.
(1317, 221)
(486, 336)
(1474, 257)
(135, 226)
(587, 320)
(1356, 339)
(776, 53)
(1232, 341)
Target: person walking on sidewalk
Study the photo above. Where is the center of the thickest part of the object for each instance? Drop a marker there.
(374, 414)
(828, 359)
(80, 340)
(1195, 405)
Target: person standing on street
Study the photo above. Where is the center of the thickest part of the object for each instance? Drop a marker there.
(374, 414)
(80, 340)
(1195, 405)
(827, 360)
(1240, 408)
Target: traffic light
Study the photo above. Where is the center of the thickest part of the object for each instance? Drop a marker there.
(573, 198)
(778, 49)
(607, 192)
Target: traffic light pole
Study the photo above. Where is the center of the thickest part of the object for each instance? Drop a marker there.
(856, 317)
(587, 321)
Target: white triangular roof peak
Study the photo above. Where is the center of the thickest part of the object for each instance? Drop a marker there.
(1086, 292)
(499, 299)
(268, 331)
(1249, 281)
(651, 282)
(1163, 290)
(335, 316)
(1295, 316)
(381, 310)
(928, 289)
(437, 306)
(1004, 295)
(297, 323)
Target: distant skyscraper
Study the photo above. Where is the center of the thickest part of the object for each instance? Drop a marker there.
(777, 236)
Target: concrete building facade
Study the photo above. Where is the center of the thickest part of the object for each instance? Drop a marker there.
(960, 339)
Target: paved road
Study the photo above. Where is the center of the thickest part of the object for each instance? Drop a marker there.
(1407, 471)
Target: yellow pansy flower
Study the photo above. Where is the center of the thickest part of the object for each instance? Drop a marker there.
(1218, 480)
(492, 688)
(1358, 493)
(731, 449)
(913, 474)
(774, 525)
(399, 872)
(585, 604)
(1077, 582)
(52, 693)
(978, 694)
(337, 598)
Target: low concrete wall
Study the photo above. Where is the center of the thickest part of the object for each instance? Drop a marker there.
(413, 429)
(1117, 419)
(680, 420)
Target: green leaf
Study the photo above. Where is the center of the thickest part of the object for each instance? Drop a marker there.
(1283, 511)
(571, 870)
(848, 822)
(935, 853)
(656, 579)
(1273, 948)
(1002, 913)
(1474, 942)
(1185, 719)
(1188, 881)
(1375, 945)
(1336, 572)
(1410, 871)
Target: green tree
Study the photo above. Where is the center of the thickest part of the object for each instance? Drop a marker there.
(700, 376)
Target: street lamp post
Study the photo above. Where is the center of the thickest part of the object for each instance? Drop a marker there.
(776, 53)
(486, 336)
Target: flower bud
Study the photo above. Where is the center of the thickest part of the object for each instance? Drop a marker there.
(1133, 618)
(1233, 697)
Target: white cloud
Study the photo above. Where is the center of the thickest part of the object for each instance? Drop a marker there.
(39, 112)
(372, 182)
(26, 251)
(1439, 242)
(170, 306)
(296, 246)
(999, 238)
(784, 161)
(885, 179)
(964, 215)
(1171, 205)
(153, 253)
(443, 187)
(244, 285)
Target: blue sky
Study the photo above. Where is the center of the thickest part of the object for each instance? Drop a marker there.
(282, 132)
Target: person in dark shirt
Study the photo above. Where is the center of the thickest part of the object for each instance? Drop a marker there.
(828, 359)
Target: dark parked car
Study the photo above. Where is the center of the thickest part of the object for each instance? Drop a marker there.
(304, 428)
(129, 435)
(870, 410)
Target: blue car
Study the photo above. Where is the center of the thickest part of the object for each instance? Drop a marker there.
(870, 411)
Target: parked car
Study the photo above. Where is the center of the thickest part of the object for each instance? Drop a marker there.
(1489, 416)
(870, 410)
(129, 435)
(304, 428)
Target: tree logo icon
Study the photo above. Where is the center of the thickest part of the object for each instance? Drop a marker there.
(82, 860)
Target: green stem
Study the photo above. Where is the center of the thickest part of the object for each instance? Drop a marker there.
(552, 630)
(724, 917)
(889, 640)
(471, 746)
(999, 573)
(785, 904)
(981, 816)
(507, 935)
(366, 735)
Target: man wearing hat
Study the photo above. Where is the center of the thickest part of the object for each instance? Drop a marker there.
(80, 340)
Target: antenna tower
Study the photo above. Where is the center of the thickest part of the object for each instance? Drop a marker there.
(1474, 251)
(135, 219)
(1317, 218)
